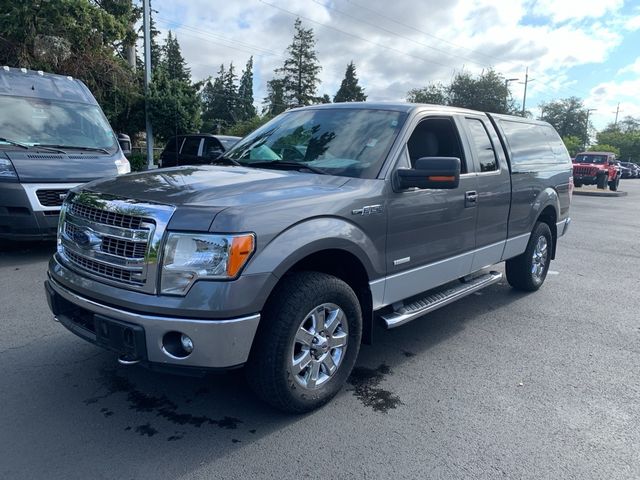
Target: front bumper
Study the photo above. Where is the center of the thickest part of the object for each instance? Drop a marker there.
(217, 344)
(19, 220)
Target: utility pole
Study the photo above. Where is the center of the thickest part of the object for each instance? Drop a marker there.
(617, 112)
(586, 130)
(526, 82)
(506, 93)
(147, 79)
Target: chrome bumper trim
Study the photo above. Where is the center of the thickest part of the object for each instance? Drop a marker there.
(217, 343)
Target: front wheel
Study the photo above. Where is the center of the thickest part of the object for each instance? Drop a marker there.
(307, 343)
(613, 186)
(601, 182)
(528, 271)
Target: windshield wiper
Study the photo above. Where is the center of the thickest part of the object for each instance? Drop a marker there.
(222, 159)
(286, 165)
(75, 147)
(14, 143)
(29, 147)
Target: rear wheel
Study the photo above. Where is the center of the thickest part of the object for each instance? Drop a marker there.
(528, 271)
(307, 343)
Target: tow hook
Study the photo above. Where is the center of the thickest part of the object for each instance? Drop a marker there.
(128, 360)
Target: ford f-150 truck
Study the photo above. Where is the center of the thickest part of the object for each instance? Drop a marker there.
(282, 256)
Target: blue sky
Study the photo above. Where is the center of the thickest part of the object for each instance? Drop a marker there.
(588, 49)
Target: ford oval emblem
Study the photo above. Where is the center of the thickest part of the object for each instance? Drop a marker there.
(82, 238)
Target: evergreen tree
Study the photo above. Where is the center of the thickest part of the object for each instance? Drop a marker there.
(274, 102)
(245, 108)
(173, 61)
(300, 70)
(349, 90)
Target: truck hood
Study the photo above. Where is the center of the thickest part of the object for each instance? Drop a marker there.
(219, 186)
(32, 166)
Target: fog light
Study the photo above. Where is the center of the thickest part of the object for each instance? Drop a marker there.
(187, 343)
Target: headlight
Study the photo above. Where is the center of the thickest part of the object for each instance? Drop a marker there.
(123, 166)
(189, 257)
(7, 172)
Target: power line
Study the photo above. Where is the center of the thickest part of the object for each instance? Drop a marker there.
(386, 47)
(379, 27)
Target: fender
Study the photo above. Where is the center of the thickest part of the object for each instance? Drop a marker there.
(311, 236)
(547, 197)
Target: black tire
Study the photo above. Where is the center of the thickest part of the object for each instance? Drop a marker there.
(613, 186)
(577, 184)
(520, 273)
(601, 182)
(268, 369)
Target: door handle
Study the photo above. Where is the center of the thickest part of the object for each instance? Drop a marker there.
(470, 198)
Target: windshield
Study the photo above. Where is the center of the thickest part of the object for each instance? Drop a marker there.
(591, 159)
(35, 121)
(346, 142)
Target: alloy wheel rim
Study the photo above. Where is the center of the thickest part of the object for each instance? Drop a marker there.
(319, 346)
(539, 261)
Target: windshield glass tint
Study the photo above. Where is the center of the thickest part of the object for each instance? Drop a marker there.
(351, 143)
(35, 121)
(591, 159)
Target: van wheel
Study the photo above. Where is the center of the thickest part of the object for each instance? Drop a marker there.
(307, 342)
(528, 271)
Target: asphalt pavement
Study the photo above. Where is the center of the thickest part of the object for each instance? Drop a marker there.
(499, 385)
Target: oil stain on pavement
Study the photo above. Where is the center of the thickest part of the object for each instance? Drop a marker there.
(366, 383)
(160, 405)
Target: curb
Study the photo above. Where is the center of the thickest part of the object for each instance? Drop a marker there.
(598, 193)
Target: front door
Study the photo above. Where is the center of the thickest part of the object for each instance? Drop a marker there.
(431, 233)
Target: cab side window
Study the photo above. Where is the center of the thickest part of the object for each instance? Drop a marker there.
(482, 145)
(436, 137)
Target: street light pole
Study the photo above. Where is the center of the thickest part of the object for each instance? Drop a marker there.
(524, 98)
(147, 79)
(506, 93)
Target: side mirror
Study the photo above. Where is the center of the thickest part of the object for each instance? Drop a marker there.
(430, 172)
(125, 143)
(214, 154)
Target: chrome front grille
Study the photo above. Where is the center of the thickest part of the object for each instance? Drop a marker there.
(115, 241)
(105, 217)
(102, 269)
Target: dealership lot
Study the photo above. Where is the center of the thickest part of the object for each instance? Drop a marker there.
(499, 385)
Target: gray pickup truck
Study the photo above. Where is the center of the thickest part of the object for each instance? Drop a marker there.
(326, 220)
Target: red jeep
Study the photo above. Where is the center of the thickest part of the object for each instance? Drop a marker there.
(596, 168)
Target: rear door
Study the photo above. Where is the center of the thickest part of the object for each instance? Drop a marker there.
(494, 190)
(431, 234)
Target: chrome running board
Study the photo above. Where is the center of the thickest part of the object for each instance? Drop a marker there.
(437, 299)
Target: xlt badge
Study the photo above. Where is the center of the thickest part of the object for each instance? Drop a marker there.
(368, 210)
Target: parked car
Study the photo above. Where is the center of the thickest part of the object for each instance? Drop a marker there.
(53, 137)
(597, 168)
(625, 172)
(633, 169)
(283, 266)
(195, 149)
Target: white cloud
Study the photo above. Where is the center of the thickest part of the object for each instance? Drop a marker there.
(631, 68)
(563, 10)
